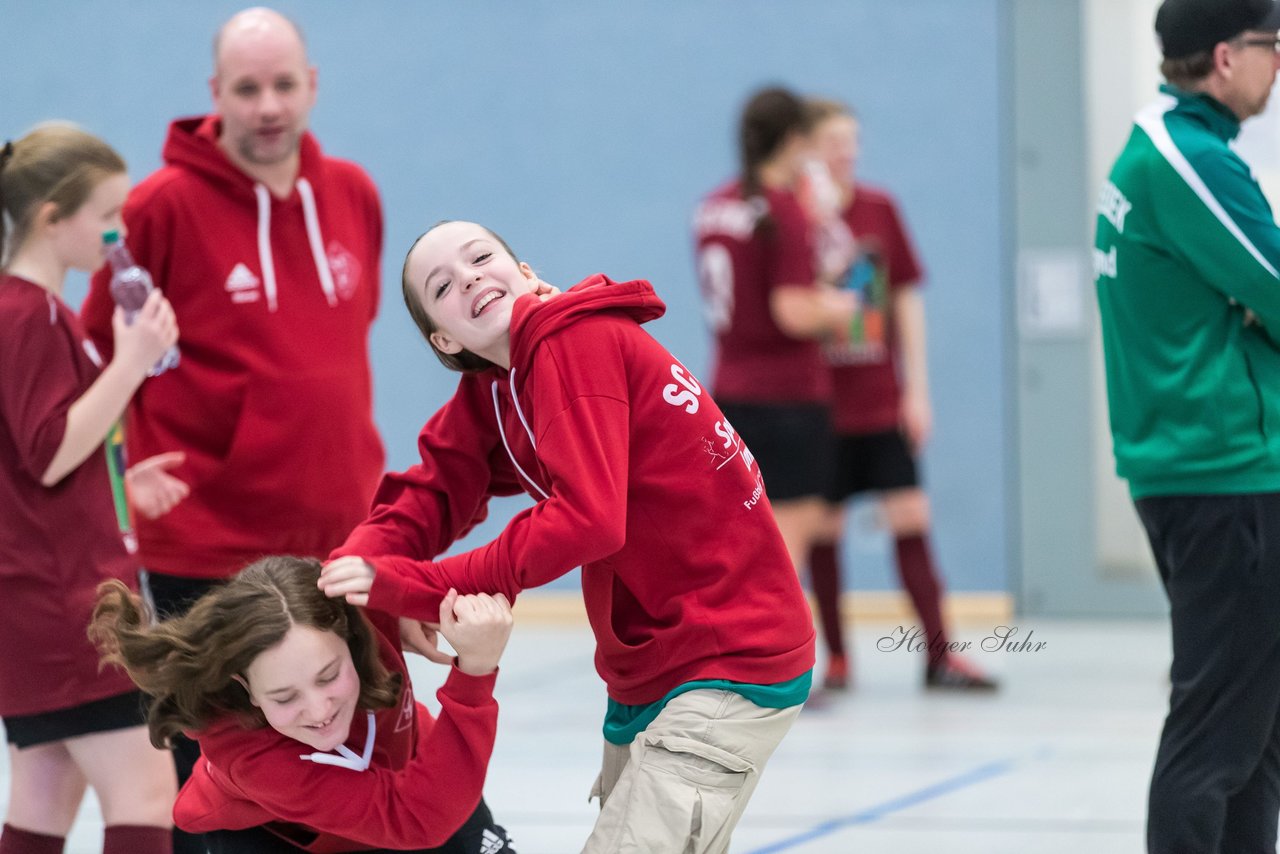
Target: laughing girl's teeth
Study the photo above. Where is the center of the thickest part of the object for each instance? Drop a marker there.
(490, 297)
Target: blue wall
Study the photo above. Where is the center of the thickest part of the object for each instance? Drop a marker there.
(584, 131)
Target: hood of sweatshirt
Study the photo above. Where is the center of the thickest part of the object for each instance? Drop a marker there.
(192, 144)
(533, 320)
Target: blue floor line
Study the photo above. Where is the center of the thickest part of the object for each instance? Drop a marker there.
(969, 778)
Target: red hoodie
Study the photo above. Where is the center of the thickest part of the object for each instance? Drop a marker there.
(423, 781)
(272, 402)
(638, 478)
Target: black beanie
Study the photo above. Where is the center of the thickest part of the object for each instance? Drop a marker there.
(1189, 26)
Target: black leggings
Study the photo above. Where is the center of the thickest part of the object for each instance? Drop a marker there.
(478, 836)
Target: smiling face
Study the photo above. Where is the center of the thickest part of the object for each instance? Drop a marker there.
(307, 687)
(467, 283)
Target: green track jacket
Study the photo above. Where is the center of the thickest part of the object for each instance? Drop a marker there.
(1185, 263)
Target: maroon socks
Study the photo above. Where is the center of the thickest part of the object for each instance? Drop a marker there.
(920, 579)
(824, 576)
(15, 841)
(136, 839)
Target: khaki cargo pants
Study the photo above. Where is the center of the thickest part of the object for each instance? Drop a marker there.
(684, 782)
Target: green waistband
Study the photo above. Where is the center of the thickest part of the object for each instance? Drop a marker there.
(623, 723)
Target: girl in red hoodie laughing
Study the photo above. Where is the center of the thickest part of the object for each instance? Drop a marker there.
(310, 736)
(703, 636)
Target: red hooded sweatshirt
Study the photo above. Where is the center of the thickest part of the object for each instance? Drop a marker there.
(638, 478)
(272, 402)
(423, 781)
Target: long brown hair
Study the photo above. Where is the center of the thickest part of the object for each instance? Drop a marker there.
(56, 162)
(187, 663)
(464, 360)
(768, 121)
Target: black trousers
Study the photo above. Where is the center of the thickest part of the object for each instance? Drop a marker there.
(1216, 784)
(480, 835)
(173, 596)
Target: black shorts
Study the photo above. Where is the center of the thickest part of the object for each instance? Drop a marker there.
(479, 835)
(873, 462)
(792, 443)
(119, 712)
(173, 595)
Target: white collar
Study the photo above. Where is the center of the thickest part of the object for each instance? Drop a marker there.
(347, 757)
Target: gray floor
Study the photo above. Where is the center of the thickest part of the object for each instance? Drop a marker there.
(1056, 762)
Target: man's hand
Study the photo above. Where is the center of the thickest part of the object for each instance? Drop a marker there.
(150, 487)
(349, 576)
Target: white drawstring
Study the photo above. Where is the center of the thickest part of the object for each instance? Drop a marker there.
(348, 759)
(264, 245)
(515, 398)
(497, 413)
(314, 238)
(317, 242)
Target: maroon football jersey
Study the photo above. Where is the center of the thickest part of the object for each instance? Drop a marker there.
(865, 374)
(739, 265)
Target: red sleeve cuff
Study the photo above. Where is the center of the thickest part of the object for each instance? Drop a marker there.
(387, 592)
(466, 689)
(404, 587)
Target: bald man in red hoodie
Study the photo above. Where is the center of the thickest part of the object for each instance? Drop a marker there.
(269, 253)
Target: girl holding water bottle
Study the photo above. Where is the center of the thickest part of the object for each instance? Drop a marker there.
(65, 526)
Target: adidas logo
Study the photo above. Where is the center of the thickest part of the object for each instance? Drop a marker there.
(242, 284)
(490, 842)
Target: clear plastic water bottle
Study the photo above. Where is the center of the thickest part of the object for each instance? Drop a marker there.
(130, 285)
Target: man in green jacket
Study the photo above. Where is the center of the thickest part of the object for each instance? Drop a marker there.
(1186, 262)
